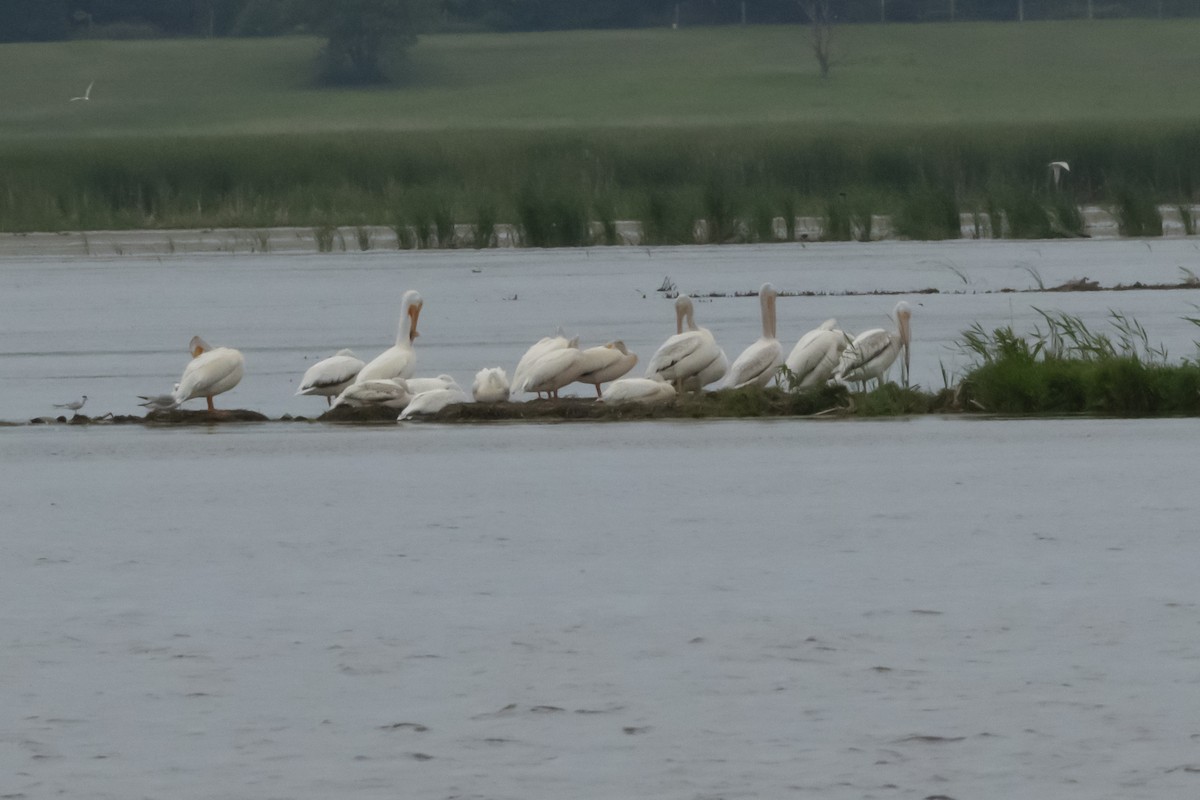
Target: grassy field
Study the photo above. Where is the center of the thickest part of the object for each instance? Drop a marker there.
(661, 125)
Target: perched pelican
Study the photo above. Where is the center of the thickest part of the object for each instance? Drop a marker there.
(872, 352)
(606, 363)
(691, 358)
(552, 371)
(641, 391)
(543, 346)
(399, 360)
(387, 392)
(211, 371)
(815, 357)
(418, 385)
(74, 405)
(328, 377)
(433, 401)
(758, 363)
(491, 385)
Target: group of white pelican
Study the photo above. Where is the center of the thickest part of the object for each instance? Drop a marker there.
(688, 361)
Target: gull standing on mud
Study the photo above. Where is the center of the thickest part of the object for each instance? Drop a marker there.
(690, 359)
(74, 405)
(873, 352)
(399, 360)
(759, 362)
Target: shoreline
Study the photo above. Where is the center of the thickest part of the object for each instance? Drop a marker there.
(1099, 223)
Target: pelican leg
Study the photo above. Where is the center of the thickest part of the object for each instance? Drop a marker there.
(211, 408)
(328, 401)
(597, 391)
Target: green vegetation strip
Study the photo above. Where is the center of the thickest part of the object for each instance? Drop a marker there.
(551, 131)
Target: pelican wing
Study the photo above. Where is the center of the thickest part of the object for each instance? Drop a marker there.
(815, 357)
(867, 353)
(330, 373)
(210, 373)
(756, 365)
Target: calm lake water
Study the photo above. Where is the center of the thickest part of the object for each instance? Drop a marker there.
(736, 609)
(116, 328)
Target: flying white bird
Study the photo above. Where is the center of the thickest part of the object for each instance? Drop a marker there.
(87, 93)
(1057, 168)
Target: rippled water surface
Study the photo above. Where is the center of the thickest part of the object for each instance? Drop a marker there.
(740, 609)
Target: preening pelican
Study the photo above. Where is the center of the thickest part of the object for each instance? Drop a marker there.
(211, 371)
(490, 386)
(815, 357)
(871, 353)
(691, 358)
(551, 371)
(543, 346)
(640, 391)
(399, 360)
(387, 392)
(433, 401)
(328, 377)
(759, 362)
(606, 363)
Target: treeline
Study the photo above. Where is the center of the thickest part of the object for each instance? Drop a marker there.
(48, 20)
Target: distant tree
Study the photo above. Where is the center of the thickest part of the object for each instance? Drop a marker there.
(362, 35)
(33, 20)
(820, 22)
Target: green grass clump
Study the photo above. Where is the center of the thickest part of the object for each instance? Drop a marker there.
(929, 214)
(1136, 212)
(1069, 368)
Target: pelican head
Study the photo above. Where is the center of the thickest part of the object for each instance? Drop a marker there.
(619, 346)
(410, 310)
(684, 311)
(198, 346)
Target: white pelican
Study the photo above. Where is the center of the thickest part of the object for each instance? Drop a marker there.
(210, 372)
(387, 392)
(552, 371)
(74, 405)
(543, 346)
(433, 401)
(328, 377)
(399, 360)
(759, 362)
(691, 358)
(418, 385)
(872, 352)
(490, 386)
(606, 363)
(641, 391)
(815, 357)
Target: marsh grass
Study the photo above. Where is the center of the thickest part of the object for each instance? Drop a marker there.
(929, 214)
(1067, 367)
(1136, 212)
